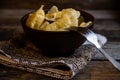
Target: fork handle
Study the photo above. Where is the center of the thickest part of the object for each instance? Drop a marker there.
(112, 60)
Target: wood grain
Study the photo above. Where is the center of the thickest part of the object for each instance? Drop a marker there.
(107, 23)
(78, 4)
(98, 14)
(95, 70)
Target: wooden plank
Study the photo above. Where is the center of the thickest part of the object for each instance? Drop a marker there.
(112, 32)
(109, 28)
(106, 23)
(100, 24)
(98, 70)
(95, 70)
(112, 47)
(78, 4)
(7, 32)
(98, 14)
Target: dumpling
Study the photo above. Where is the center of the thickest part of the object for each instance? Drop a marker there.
(59, 24)
(53, 14)
(36, 19)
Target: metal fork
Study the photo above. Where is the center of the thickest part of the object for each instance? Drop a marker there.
(92, 38)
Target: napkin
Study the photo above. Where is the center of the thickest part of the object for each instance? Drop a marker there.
(19, 53)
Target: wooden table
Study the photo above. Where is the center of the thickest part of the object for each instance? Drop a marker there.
(107, 23)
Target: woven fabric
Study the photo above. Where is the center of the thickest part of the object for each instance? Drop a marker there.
(19, 53)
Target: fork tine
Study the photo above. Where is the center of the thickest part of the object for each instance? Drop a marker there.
(91, 37)
(86, 32)
(83, 31)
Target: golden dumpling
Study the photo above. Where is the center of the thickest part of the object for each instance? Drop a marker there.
(36, 19)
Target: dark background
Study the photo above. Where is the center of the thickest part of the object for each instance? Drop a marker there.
(77, 4)
(107, 22)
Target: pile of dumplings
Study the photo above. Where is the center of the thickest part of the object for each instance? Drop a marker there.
(55, 20)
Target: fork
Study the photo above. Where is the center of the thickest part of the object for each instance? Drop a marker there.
(92, 38)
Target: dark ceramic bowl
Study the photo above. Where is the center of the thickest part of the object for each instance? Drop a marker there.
(55, 44)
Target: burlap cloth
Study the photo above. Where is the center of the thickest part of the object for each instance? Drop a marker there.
(19, 53)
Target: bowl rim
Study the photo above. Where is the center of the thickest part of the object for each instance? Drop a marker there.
(23, 22)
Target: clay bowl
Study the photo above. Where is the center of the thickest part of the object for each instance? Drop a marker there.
(54, 43)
